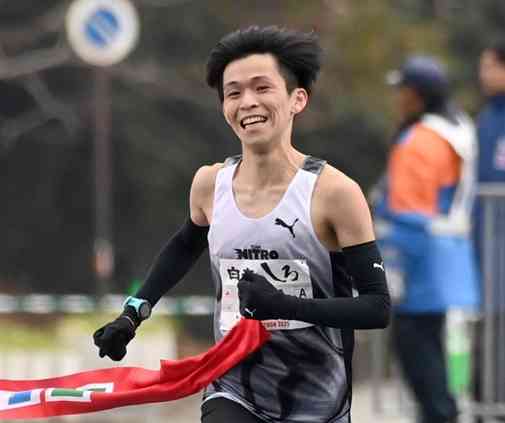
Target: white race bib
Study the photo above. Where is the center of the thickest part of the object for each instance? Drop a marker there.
(292, 277)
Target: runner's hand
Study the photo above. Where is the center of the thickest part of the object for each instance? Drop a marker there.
(112, 338)
(259, 299)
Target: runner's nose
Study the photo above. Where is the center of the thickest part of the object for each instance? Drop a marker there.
(248, 100)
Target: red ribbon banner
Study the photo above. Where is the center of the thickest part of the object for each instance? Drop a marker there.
(104, 389)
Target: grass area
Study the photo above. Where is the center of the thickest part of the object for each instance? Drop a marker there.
(52, 332)
(22, 336)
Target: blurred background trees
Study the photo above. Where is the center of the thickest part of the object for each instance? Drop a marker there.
(166, 122)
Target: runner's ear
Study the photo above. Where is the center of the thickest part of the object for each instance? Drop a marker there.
(301, 99)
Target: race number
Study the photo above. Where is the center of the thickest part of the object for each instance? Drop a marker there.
(292, 277)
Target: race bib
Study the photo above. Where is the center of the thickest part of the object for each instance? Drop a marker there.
(292, 277)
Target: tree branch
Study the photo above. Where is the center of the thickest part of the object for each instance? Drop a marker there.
(34, 61)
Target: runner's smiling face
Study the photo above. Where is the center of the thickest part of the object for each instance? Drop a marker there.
(256, 101)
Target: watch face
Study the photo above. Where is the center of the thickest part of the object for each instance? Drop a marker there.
(144, 310)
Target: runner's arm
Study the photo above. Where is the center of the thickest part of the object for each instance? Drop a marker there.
(369, 310)
(174, 261)
(350, 219)
(349, 216)
(186, 245)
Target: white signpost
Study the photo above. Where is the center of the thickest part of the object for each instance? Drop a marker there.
(102, 32)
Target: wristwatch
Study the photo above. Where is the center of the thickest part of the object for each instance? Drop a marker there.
(142, 307)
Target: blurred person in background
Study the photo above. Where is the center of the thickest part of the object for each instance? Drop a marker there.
(491, 169)
(422, 217)
(288, 238)
(491, 122)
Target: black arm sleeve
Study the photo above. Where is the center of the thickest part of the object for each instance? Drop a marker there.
(174, 261)
(370, 310)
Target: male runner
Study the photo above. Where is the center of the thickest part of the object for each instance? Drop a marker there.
(288, 238)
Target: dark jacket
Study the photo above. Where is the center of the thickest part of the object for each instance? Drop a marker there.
(491, 135)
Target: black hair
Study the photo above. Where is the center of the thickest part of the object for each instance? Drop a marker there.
(434, 102)
(297, 53)
(497, 46)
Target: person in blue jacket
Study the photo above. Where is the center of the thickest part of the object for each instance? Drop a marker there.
(422, 220)
(491, 124)
(491, 121)
(491, 169)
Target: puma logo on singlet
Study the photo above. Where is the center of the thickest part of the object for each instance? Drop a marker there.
(250, 312)
(379, 266)
(280, 222)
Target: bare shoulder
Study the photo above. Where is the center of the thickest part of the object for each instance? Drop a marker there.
(202, 193)
(205, 178)
(335, 185)
(344, 207)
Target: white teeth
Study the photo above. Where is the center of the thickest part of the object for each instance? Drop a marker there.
(253, 119)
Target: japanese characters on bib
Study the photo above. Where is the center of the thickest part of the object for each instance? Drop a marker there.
(292, 277)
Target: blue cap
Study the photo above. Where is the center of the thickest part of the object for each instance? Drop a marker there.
(423, 73)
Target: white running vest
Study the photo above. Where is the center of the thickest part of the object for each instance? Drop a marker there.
(303, 373)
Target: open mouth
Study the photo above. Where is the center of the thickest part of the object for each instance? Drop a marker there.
(252, 120)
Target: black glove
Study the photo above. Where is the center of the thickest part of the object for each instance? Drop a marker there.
(260, 300)
(112, 338)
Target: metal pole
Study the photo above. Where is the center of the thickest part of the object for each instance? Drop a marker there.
(103, 246)
(488, 377)
(499, 217)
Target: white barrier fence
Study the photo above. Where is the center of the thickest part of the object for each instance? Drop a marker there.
(76, 304)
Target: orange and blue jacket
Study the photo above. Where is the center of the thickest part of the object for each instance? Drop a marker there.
(424, 214)
(423, 173)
